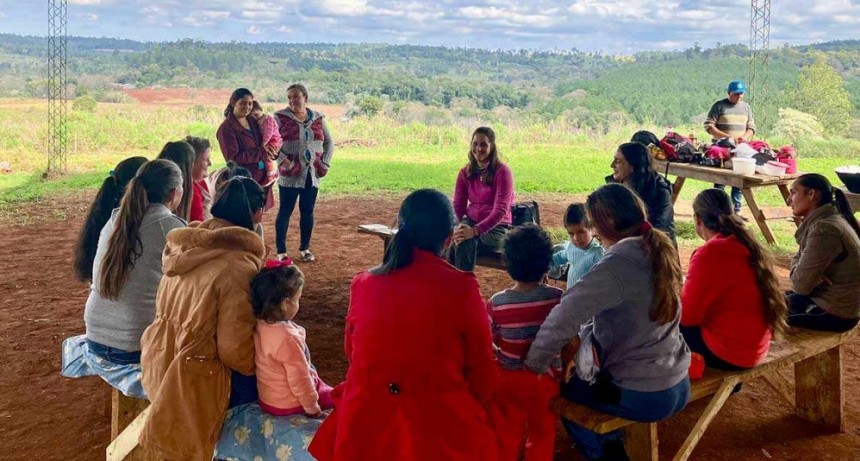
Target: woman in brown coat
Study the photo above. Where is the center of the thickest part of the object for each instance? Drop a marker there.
(203, 335)
(241, 140)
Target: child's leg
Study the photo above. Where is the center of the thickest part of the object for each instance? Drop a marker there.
(324, 390)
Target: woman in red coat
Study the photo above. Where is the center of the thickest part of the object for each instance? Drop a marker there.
(420, 353)
(241, 140)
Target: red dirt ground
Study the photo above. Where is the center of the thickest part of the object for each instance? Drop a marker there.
(44, 416)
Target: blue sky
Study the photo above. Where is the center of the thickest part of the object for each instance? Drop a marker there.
(621, 26)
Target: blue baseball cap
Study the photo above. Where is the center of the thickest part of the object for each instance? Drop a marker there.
(737, 86)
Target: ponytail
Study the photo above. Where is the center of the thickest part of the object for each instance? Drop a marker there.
(107, 198)
(830, 194)
(152, 184)
(714, 209)
(666, 267)
(425, 222)
(238, 200)
(845, 209)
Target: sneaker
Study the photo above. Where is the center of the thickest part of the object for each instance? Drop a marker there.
(306, 256)
(283, 257)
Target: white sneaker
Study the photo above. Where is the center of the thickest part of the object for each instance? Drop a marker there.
(283, 256)
(306, 256)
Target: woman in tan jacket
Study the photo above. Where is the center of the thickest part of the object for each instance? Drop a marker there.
(202, 339)
(825, 272)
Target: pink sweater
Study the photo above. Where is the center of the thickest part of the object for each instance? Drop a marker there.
(488, 206)
(271, 135)
(285, 378)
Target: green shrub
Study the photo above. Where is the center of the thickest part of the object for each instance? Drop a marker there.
(85, 103)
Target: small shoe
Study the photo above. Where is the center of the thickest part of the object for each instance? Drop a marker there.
(306, 256)
(283, 257)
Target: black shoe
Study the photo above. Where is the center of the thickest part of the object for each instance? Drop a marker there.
(613, 450)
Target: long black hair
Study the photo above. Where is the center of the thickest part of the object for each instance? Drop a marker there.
(106, 200)
(238, 200)
(830, 194)
(238, 94)
(183, 155)
(637, 155)
(425, 221)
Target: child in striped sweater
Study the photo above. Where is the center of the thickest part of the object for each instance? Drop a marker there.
(516, 315)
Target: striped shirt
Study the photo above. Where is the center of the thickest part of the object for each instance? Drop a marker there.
(515, 318)
(732, 119)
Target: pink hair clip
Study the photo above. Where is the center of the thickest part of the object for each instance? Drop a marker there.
(273, 263)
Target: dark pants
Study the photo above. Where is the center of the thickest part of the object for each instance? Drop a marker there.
(307, 198)
(114, 355)
(804, 313)
(463, 256)
(243, 389)
(736, 196)
(693, 337)
(605, 396)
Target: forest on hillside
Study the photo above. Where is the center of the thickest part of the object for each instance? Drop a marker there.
(584, 89)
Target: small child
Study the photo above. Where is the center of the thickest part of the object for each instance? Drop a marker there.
(516, 315)
(271, 140)
(583, 251)
(287, 382)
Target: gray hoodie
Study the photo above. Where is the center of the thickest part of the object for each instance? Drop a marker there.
(120, 323)
(640, 354)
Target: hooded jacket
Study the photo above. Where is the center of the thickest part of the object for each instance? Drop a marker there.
(203, 329)
(308, 147)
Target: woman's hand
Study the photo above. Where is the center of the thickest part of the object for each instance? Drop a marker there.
(464, 232)
(272, 152)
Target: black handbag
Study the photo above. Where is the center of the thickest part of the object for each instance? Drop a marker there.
(525, 213)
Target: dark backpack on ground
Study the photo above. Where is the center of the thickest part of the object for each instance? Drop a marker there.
(525, 213)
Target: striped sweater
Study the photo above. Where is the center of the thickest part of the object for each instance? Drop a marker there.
(515, 318)
(732, 119)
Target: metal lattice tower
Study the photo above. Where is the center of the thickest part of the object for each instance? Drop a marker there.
(58, 134)
(759, 55)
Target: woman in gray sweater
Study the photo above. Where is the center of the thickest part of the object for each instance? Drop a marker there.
(632, 297)
(825, 272)
(127, 266)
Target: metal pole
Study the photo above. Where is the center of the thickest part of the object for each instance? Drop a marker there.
(759, 56)
(58, 133)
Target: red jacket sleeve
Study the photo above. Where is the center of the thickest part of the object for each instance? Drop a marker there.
(480, 367)
(504, 186)
(700, 289)
(461, 194)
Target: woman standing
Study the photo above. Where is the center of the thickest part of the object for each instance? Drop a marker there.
(241, 139)
(127, 265)
(421, 366)
(825, 272)
(198, 354)
(632, 297)
(732, 304)
(632, 167)
(304, 159)
(483, 196)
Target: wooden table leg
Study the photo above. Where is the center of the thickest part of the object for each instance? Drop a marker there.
(818, 389)
(783, 189)
(676, 188)
(714, 407)
(640, 441)
(758, 216)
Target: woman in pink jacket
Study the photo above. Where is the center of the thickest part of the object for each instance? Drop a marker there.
(483, 197)
(421, 367)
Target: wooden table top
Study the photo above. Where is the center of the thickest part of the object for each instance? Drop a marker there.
(722, 175)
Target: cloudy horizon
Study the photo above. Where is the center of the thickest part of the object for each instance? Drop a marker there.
(619, 27)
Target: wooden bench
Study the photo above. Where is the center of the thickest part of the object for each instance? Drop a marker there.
(128, 416)
(817, 396)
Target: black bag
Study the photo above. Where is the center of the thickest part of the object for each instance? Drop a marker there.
(645, 137)
(525, 213)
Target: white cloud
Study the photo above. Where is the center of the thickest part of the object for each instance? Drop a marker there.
(344, 7)
(85, 2)
(254, 30)
(87, 16)
(261, 15)
(285, 30)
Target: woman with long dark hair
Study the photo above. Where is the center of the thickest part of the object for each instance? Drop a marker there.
(127, 266)
(241, 140)
(483, 196)
(732, 304)
(632, 166)
(631, 296)
(198, 354)
(825, 272)
(418, 343)
(108, 197)
(182, 154)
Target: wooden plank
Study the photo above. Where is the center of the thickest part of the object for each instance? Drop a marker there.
(781, 385)
(781, 212)
(758, 216)
(126, 442)
(721, 175)
(123, 411)
(818, 389)
(704, 421)
(676, 188)
(641, 441)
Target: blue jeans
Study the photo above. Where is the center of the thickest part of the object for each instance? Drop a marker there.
(608, 398)
(736, 196)
(114, 355)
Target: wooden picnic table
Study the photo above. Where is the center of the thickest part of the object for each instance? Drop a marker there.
(853, 199)
(746, 183)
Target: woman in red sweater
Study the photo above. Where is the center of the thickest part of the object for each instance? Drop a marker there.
(421, 367)
(731, 301)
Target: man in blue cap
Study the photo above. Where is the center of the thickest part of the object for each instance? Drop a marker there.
(732, 118)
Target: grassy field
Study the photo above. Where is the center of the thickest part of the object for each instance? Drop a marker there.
(380, 155)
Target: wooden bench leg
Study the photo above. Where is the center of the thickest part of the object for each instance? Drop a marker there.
(782, 385)
(715, 405)
(124, 412)
(640, 440)
(676, 188)
(818, 389)
(758, 215)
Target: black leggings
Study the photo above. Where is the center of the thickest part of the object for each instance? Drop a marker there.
(804, 313)
(693, 337)
(307, 198)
